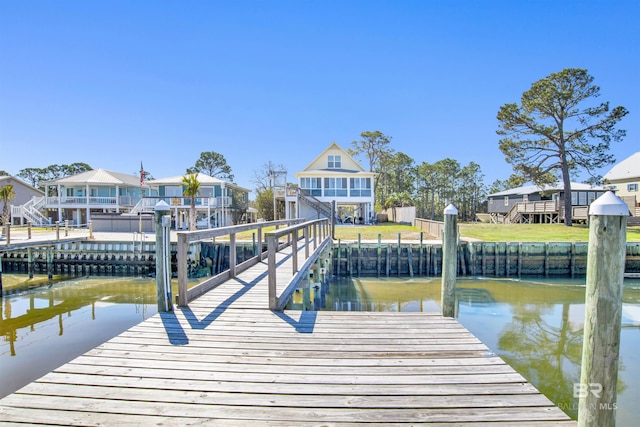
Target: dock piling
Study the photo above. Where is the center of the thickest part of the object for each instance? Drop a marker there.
(449, 261)
(163, 260)
(603, 312)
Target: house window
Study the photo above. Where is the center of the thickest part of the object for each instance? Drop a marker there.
(360, 187)
(506, 200)
(312, 186)
(632, 187)
(582, 199)
(335, 162)
(335, 187)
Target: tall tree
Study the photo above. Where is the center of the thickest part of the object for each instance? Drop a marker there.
(32, 175)
(35, 176)
(191, 188)
(212, 164)
(263, 178)
(4, 173)
(7, 193)
(470, 192)
(558, 129)
(264, 203)
(373, 145)
(75, 168)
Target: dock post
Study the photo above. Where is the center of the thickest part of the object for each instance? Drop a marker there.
(57, 230)
(449, 261)
(30, 266)
(29, 230)
(50, 264)
(272, 248)
(399, 253)
(359, 259)
(603, 311)
(163, 280)
(379, 252)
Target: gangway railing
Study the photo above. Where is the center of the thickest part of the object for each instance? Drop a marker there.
(185, 238)
(314, 232)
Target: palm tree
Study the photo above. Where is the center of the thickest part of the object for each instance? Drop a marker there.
(191, 188)
(6, 195)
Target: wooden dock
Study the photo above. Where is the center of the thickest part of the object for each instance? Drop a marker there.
(228, 360)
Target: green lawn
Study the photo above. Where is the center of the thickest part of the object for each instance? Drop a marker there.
(481, 231)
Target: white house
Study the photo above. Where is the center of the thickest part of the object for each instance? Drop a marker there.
(75, 198)
(219, 203)
(334, 178)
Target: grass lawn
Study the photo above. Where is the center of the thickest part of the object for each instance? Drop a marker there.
(481, 231)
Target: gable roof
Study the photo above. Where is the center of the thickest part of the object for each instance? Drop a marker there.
(335, 146)
(98, 177)
(627, 169)
(12, 180)
(532, 189)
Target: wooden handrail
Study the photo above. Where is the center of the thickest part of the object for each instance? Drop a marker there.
(186, 237)
(320, 229)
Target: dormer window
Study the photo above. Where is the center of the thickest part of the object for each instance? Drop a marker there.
(335, 162)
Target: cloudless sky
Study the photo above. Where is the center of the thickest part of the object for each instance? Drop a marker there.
(115, 83)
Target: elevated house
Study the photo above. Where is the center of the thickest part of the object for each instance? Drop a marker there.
(218, 204)
(24, 195)
(624, 180)
(100, 194)
(534, 204)
(76, 198)
(334, 183)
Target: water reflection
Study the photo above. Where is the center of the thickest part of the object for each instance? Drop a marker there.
(46, 326)
(535, 326)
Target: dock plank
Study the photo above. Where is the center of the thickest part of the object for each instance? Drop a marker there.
(228, 360)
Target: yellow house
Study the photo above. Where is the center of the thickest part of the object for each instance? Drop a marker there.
(624, 179)
(333, 180)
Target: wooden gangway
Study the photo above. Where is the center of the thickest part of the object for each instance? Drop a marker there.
(227, 359)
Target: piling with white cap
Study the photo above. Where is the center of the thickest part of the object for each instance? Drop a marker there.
(449, 261)
(603, 311)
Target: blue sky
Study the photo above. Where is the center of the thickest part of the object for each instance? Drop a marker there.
(114, 83)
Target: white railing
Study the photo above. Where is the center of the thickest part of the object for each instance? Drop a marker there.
(30, 212)
(91, 201)
(148, 203)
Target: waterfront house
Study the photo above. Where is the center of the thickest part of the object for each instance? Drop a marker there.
(534, 204)
(624, 179)
(77, 197)
(24, 194)
(218, 204)
(333, 180)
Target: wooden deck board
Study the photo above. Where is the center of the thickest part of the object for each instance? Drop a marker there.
(228, 360)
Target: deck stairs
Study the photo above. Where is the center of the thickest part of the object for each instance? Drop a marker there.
(30, 211)
(323, 208)
(524, 212)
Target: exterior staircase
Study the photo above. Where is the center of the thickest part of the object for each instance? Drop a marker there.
(30, 211)
(323, 208)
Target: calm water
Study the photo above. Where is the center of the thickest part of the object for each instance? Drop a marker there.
(535, 325)
(45, 327)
